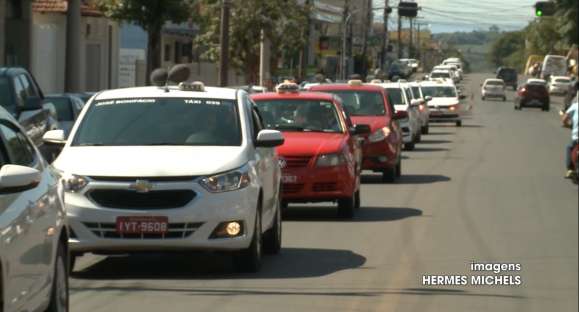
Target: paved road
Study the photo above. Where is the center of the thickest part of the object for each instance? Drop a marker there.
(491, 191)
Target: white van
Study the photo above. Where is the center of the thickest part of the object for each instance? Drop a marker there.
(553, 65)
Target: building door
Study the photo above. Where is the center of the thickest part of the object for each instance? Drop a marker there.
(93, 67)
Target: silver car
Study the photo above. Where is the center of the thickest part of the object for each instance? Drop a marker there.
(33, 235)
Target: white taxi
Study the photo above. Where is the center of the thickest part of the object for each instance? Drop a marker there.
(445, 105)
(172, 168)
(399, 94)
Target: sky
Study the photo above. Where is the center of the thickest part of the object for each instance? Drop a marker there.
(467, 15)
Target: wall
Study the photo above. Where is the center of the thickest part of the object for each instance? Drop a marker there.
(48, 57)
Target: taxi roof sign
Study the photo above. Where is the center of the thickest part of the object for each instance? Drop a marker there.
(355, 82)
(287, 87)
(196, 86)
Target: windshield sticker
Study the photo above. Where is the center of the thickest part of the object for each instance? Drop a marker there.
(126, 101)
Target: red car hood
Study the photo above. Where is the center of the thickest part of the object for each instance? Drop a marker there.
(310, 143)
(375, 122)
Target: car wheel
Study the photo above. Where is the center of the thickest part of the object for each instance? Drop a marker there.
(459, 123)
(483, 98)
(272, 238)
(504, 98)
(424, 129)
(249, 260)
(399, 169)
(418, 137)
(59, 293)
(389, 175)
(357, 199)
(546, 108)
(346, 207)
(409, 146)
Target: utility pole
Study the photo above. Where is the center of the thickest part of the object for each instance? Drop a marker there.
(410, 39)
(367, 25)
(73, 38)
(399, 37)
(224, 44)
(418, 42)
(264, 59)
(387, 11)
(305, 52)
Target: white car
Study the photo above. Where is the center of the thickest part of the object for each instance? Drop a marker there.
(455, 73)
(493, 88)
(33, 235)
(445, 105)
(559, 85)
(443, 74)
(172, 168)
(423, 110)
(399, 95)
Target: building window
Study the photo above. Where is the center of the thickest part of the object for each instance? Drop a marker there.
(167, 52)
(177, 51)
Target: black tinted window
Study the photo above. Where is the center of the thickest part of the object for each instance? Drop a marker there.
(63, 107)
(160, 121)
(395, 96)
(300, 115)
(6, 99)
(17, 147)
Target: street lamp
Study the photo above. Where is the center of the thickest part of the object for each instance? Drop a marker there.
(344, 31)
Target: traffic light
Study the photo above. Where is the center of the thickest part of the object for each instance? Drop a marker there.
(407, 9)
(544, 8)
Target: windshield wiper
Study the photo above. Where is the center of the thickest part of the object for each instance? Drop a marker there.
(289, 127)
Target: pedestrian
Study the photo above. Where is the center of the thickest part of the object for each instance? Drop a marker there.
(571, 118)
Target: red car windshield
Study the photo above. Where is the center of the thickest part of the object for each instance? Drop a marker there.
(361, 103)
(300, 115)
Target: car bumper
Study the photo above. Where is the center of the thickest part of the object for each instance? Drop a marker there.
(318, 184)
(493, 94)
(94, 227)
(445, 117)
(379, 156)
(557, 89)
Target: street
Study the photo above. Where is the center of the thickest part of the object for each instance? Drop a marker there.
(490, 192)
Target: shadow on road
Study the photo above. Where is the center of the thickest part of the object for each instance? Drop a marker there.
(441, 133)
(365, 214)
(290, 263)
(407, 179)
(427, 149)
(451, 125)
(435, 141)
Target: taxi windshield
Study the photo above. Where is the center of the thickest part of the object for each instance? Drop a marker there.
(300, 115)
(160, 121)
(439, 91)
(395, 96)
(361, 103)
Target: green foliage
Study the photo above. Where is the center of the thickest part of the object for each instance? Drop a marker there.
(283, 21)
(566, 22)
(508, 44)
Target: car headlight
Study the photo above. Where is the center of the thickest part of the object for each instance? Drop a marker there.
(329, 160)
(74, 183)
(453, 107)
(228, 181)
(379, 135)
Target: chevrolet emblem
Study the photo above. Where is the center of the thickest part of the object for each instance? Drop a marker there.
(141, 186)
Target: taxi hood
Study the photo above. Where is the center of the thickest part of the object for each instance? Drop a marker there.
(149, 161)
(375, 122)
(311, 143)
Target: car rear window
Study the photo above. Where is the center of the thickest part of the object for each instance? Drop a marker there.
(536, 87)
(439, 91)
(160, 121)
(495, 83)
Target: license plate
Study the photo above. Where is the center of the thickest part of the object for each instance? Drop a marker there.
(142, 225)
(289, 179)
(535, 103)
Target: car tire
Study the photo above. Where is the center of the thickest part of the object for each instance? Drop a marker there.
(272, 238)
(346, 207)
(249, 260)
(399, 169)
(418, 137)
(409, 146)
(459, 123)
(357, 199)
(483, 98)
(389, 175)
(504, 98)
(59, 301)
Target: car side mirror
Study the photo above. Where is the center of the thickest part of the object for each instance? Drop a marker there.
(32, 103)
(267, 138)
(462, 96)
(14, 178)
(428, 98)
(400, 115)
(360, 129)
(54, 137)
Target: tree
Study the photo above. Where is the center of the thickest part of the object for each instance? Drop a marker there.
(508, 44)
(566, 21)
(283, 22)
(151, 15)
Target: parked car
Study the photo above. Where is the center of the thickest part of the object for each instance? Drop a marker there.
(533, 93)
(423, 110)
(33, 235)
(493, 88)
(559, 85)
(445, 105)
(174, 178)
(21, 96)
(399, 95)
(321, 158)
(509, 76)
(368, 104)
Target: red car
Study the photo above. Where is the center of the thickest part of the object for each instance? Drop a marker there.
(369, 104)
(321, 156)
